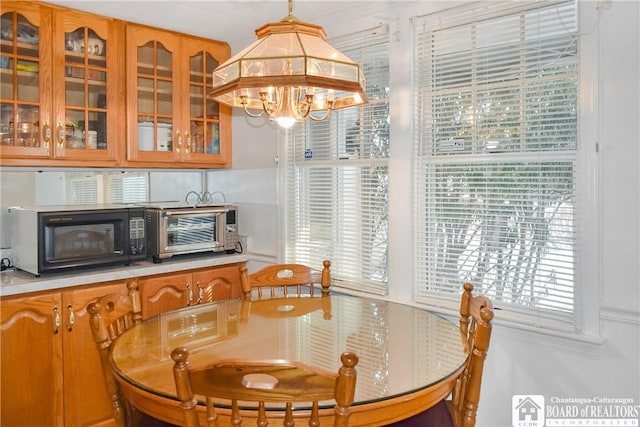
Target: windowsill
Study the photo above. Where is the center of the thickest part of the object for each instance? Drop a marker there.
(503, 327)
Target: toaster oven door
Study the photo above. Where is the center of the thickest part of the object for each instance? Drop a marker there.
(190, 232)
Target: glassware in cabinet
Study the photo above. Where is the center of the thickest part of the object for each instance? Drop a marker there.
(171, 118)
(209, 122)
(86, 87)
(152, 80)
(24, 104)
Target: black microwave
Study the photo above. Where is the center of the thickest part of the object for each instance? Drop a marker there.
(57, 238)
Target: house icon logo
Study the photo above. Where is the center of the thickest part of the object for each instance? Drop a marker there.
(527, 410)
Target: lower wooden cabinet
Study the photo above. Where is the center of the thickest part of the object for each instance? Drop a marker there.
(170, 291)
(50, 372)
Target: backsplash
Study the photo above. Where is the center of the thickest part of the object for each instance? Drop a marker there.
(253, 190)
(31, 188)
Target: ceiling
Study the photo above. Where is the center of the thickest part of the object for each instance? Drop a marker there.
(233, 21)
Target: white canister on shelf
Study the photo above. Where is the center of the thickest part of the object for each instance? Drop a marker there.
(164, 137)
(145, 136)
(91, 139)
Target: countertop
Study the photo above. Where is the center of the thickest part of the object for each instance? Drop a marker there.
(14, 282)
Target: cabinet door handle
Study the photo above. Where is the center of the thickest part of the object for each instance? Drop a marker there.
(190, 294)
(56, 319)
(200, 293)
(188, 145)
(72, 317)
(179, 139)
(46, 134)
(60, 133)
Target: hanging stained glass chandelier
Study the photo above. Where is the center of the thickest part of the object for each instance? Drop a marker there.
(290, 73)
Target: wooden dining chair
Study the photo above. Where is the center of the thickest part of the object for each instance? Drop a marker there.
(109, 317)
(282, 279)
(476, 313)
(267, 383)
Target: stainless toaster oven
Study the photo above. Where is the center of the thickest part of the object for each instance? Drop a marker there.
(176, 229)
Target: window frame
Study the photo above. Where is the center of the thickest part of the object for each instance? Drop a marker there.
(341, 162)
(587, 270)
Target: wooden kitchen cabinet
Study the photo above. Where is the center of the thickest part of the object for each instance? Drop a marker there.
(50, 372)
(83, 377)
(31, 373)
(62, 97)
(218, 283)
(87, 88)
(170, 119)
(26, 114)
(165, 292)
(59, 73)
(170, 291)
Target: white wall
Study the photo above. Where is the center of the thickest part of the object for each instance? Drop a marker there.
(252, 185)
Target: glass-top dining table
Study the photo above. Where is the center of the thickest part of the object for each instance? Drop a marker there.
(409, 358)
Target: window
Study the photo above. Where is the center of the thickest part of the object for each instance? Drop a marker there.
(336, 179)
(127, 187)
(496, 157)
(107, 187)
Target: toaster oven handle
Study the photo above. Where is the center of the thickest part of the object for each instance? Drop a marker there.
(194, 212)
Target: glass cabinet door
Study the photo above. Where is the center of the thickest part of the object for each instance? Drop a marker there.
(24, 109)
(84, 87)
(204, 112)
(152, 79)
(85, 90)
(155, 97)
(208, 121)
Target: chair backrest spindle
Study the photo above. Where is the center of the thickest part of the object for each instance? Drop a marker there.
(268, 383)
(476, 313)
(109, 317)
(281, 279)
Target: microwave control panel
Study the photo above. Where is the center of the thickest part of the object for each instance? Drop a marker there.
(137, 237)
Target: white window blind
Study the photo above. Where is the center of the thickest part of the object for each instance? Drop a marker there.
(336, 179)
(496, 157)
(130, 187)
(107, 187)
(83, 188)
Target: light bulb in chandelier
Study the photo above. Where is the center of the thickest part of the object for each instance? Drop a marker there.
(288, 105)
(284, 109)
